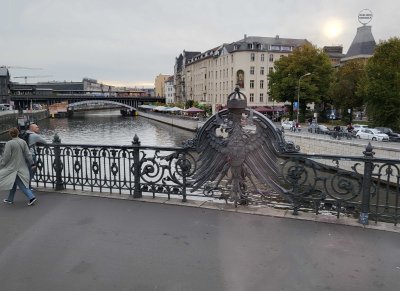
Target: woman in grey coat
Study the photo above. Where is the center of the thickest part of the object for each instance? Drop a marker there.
(14, 168)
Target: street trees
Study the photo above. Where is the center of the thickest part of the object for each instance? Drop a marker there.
(344, 88)
(381, 87)
(284, 80)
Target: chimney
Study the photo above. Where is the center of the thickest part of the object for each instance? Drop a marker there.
(277, 36)
(245, 36)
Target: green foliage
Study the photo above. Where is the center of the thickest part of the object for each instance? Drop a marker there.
(190, 103)
(381, 86)
(343, 90)
(283, 82)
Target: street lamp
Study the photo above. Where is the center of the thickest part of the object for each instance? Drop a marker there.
(298, 95)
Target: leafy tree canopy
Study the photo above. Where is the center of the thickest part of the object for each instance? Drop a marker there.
(343, 89)
(283, 82)
(381, 87)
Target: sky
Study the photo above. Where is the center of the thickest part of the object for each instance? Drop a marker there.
(130, 42)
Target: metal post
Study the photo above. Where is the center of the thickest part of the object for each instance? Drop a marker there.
(298, 95)
(58, 163)
(366, 186)
(137, 192)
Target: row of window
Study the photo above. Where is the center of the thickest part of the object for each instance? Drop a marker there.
(260, 99)
(262, 59)
(252, 84)
(270, 70)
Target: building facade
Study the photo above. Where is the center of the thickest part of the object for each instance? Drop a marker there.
(209, 77)
(159, 85)
(169, 90)
(363, 45)
(335, 54)
(4, 85)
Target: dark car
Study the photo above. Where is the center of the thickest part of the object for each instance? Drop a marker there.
(393, 136)
(318, 128)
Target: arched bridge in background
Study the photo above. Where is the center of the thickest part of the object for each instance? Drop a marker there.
(98, 104)
(23, 100)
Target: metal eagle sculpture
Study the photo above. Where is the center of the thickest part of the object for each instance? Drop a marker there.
(238, 146)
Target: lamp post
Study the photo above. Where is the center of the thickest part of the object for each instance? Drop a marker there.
(298, 95)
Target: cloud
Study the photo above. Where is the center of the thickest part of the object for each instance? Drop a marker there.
(133, 41)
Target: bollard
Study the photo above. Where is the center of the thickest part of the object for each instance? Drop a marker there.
(137, 192)
(366, 185)
(57, 163)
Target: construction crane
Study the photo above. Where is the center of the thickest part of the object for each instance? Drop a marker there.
(26, 77)
(17, 67)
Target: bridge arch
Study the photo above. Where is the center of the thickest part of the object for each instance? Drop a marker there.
(72, 106)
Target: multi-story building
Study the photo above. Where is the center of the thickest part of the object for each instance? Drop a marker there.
(179, 75)
(335, 54)
(169, 90)
(363, 45)
(159, 85)
(209, 77)
(4, 85)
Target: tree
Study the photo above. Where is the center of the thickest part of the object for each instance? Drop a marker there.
(381, 87)
(343, 90)
(283, 82)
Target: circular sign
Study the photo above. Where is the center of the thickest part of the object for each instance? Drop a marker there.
(365, 16)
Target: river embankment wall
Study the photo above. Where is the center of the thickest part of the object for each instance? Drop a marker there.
(323, 144)
(309, 143)
(174, 120)
(9, 118)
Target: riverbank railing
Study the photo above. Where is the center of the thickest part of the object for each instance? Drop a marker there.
(363, 187)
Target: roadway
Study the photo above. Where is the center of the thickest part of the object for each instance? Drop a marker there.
(72, 242)
(304, 132)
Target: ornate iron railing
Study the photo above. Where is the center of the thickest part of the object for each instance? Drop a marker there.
(365, 187)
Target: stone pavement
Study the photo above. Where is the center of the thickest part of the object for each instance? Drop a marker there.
(76, 242)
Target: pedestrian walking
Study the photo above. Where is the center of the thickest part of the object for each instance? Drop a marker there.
(33, 138)
(14, 168)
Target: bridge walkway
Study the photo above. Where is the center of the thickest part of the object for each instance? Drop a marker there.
(75, 242)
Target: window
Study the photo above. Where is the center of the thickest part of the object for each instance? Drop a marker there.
(252, 57)
(261, 84)
(261, 97)
(270, 70)
(240, 78)
(251, 84)
(251, 97)
(250, 46)
(251, 70)
(262, 57)
(271, 57)
(261, 70)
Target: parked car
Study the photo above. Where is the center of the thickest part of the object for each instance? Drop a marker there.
(290, 125)
(357, 127)
(318, 128)
(372, 134)
(286, 124)
(393, 136)
(5, 106)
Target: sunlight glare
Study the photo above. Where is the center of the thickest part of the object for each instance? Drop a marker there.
(333, 28)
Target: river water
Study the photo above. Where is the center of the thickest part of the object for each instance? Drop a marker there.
(108, 127)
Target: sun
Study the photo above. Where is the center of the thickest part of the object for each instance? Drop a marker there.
(333, 28)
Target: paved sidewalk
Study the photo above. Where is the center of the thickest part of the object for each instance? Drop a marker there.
(74, 242)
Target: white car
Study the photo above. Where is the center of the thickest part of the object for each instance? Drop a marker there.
(287, 124)
(372, 134)
(357, 127)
